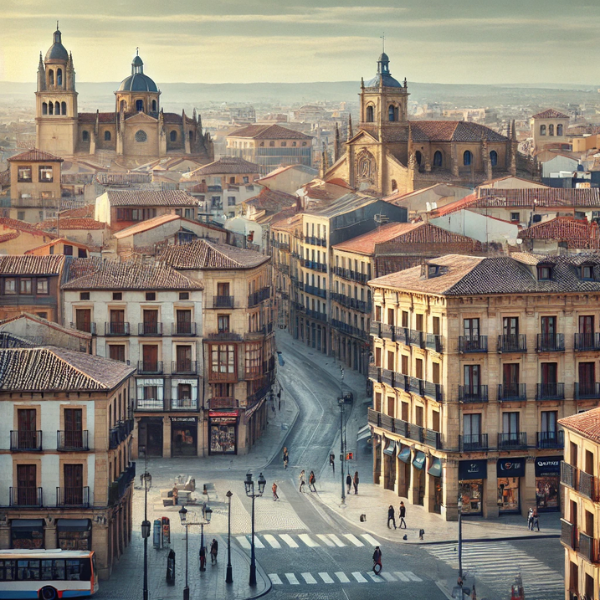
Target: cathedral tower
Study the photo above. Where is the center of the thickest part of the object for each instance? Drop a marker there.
(138, 92)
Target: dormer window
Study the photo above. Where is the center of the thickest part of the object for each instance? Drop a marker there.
(429, 271)
(544, 272)
(587, 272)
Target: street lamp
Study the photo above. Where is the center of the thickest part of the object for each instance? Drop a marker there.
(146, 479)
(460, 570)
(205, 521)
(183, 517)
(249, 483)
(229, 578)
(342, 455)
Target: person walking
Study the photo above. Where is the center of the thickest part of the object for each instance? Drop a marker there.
(286, 457)
(355, 482)
(332, 462)
(530, 519)
(377, 564)
(311, 482)
(348, 483)
(391, 516)
(402, 515)
(536, 520)
(214, 550)
(302, 481)
(202, 556)
(275, 496)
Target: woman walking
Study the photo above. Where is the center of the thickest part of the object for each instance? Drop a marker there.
(214, 550)
(348, 483)
(311, 482)
(377, 564)
(391, 516)
(275, 496)
(302, 482)
(355, 482)
(286, 457)
(402, 514)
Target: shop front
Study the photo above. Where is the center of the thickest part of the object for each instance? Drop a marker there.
(223, 430)
(150, 437)
(389, 453)
(184, 436)
(404, 470)
(419, 474)
(547, 483)
(27, 534)
(74, 534)
(435, 482)
(509, 472)
(471, 476)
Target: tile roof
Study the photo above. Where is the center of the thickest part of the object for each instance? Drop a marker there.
(57, 369)
(85, 223)
(271, 201)
(29, 317)
(35, 155)
(365, 243)
(204, 254)
(103, 117)
(145, 225)
(286, 223)
(586, 423)
(14, 224)
(542, 197)
(31, 265)
(452, 131)
(10, 235)
(59, 241)
(133, 275)
(576, 233)
(451, 207)
(550, 114)
(269, 132)
(279, 170)
(227, 165)
(150, 198)
(78, 213)
(462, 275)
(345, 204)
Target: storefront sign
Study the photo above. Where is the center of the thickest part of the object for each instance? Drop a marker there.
(419, 460)
(472, 469)
(215, 413)
(511, 467)
(184, 419)
(223, 420)
(547, 465)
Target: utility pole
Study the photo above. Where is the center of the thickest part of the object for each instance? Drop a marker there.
(342, 455)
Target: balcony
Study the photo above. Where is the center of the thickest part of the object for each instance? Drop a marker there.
(568, 534)
(150, 368)
(387, 377)
(349, 302)
(117, 489)
(223, 376)
(375, 373)
(388, 423)
(183, 328)
(472, 344)
(184, 367)
(116, 328)
(26, 497)
(223, 301)
(550, 391)
(569, 475)
(223, 403)
(587, 390)
(315, 314)
(512, 392)
(416, 338)
(512, 441)
(588, 548)
(224, 336)
(88, 327)
(512, 343)
(259, 296)
(73, 497)
(150, 329)
(401, 335)
(416, 433)
(150, 404)
(258, 395)
(351, 275)
(434, 391)
(434, 342)
(471, 394)
(315, 291)
(118, 435)
(416, 386)
(433, 439)
(26, 441)
(72, 441)
(474, 442)
(402, 382)
(375, 330)
(589, 486)
(550, 342)
(550, 439)
(190, 404)
(315, 266)
(387, 331)
(585, 342)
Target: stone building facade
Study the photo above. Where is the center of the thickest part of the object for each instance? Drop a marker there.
(549, 127)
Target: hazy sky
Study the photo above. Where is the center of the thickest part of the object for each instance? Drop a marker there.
(217, 41)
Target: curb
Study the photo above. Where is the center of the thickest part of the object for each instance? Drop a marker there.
(267, 580)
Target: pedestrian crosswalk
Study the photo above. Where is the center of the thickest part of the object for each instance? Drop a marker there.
(497, 563)
(341, 577)
(304, 540)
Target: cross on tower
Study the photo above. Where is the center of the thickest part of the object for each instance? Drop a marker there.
(383, 42)
(137, 51)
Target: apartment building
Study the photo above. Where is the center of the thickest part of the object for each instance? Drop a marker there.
(475, 361)
(580, 529)
(151, 318)
(65, 452)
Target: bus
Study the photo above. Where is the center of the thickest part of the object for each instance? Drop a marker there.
(47, 574)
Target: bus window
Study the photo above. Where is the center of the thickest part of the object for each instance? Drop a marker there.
(28, 569)
(86, 570)
(47, 570)
(7, 570)
(59, 569)
(73, 570)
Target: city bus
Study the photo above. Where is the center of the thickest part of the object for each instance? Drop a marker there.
(47, 574)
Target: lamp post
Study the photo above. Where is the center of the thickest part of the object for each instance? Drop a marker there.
(249, 483)
(205, 521)
(460, 570)
(342, 455)
(183, 517)
(229, 578)
(147, 479)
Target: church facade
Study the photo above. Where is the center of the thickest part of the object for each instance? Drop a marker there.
(391, 154)
(136, 132)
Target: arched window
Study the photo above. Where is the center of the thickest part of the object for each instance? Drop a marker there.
(44, 108)
(57, 108)
(391, 113)
(370, 114)
(173, 136)
(437, 159)
(107, 136)
(467, 158)
(63, 108)
(542, 130)
(123, 105)
(493, 158)
(51, 108)
(559, 130)
(191, 136)
(419, 157)
(59, 77)
(153, 105)
(550, 129)
(394, 185)
(139, 105)
(51, 77)
(85, 136)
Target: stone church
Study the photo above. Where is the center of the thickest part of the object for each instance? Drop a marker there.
(389, 153)
(137, 131)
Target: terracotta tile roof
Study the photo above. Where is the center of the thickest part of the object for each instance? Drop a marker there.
(11, 235)
(81, 223)
(365, 244)
(103, 117)
(203, 254)
(78, 213)
(286, 223)
(57, 369)
(151, 198)
(466, 202)
(271, 201)
(31, 265)
(544, 197)
(35, 155)
(279, 170)
(78, 267)
(576, 233)
(59, 241)
(145, 225)
(269, 132)
(29, 317)
(227, 165)
(452, 131)
(14, 224)
(550, 114)
(133, 276)
(586, 423)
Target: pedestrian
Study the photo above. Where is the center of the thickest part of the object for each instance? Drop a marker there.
(286, 457)
(275, 496)
(402, 514)
(391, 516)
(332, 462)
(302, 481)
(355, 482)
(536, 520)
(348, 483)
(530, 519)
(311, 482)
(204, 510)
(175, 495)
(377, 565)
(202, 557)
(214, 550)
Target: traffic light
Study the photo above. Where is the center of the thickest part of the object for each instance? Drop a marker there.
(350, 456)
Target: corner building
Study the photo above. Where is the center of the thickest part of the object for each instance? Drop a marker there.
(475, 361)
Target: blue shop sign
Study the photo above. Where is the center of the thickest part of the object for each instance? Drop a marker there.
(472, 469)
(511, 467)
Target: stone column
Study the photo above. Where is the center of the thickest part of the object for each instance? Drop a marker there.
(527, 485)
(167, 437)
(413, 490)
(100, 542)
(450, 490)
(50, 536)
(490, 491)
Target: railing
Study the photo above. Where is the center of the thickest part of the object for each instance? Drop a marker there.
(223, 301)
(351, 275)
(375, 373)
(550, 391)
(416, 433)
(224, 336)
(512, 441)
(387, 377)
(258, 395)
(589, 486)
(184, 404)
(387, 331)
(401, 334)
(315, 266)
(550, 439)
(433, 439)
(515, 392)
(183, 328)
(550, 342)
(434, 390)
(184, 367)
(468, 394)
(116, 328)
(512, 343)
(118, 434)
(416, 338)
(417, 386)
(150, 329)
(222, 403)
(72, 441)
(568, 534)
(587, 390)
(402, 382)
(26, 497)
(434, 342)
(149, 404)
(588, 547)
(315, 291)
(569, 475)
(349, 329)
(586, 341)
(150, 368)
(73, 496)
(349, 302)
(259, 296)
(117, 489)
(472, 344)
(26, 441)
(375, 329)
(473, 442)
(218, 376)
(88, 327)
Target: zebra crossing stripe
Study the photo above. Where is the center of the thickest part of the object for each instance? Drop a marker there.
(358, 576)
(342, 577)
(292, 579)
(375, 578)
(336, 540)
(308, 578)
(244, 543)
(401, 576)
(388, 576)
(272, 540)
(325, 577)
(308, 540)
(288, 540)
(370, 539)
(257, 542)
(325, 540)
(353, 539)
(412, 576)
(275, 579)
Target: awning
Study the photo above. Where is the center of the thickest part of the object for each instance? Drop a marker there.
(404, 455)
(435, 467)
(364, 433)
(73, 524)
(389, 449)
(37, 524)
(419, 460)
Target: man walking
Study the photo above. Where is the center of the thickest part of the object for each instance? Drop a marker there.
(391, 516)
(275, 496)
(377, 564)
(302, 481)
(402, 515)
(311, 482)
(355, 483)
(286, 458)
(332, 462)
(348, 483)
(214, 550)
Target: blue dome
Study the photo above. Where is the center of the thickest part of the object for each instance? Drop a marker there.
(383, 76)
(57, 51)
(138, 83)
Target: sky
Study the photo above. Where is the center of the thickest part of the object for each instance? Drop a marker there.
(243, 41)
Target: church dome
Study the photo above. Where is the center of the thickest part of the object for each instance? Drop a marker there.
(57, 52)
(383, 76)
(137, 81)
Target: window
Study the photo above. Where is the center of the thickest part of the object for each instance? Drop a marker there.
(551, 130)
(25, 286)
(472, 375)
(515, 217)
(467, 158)
(24, 174)
(140, 135)
(51, 77)
(223, 358)
(183, 355)
(83, 319)
(510, 325)
(370, 114)
(51, 108)
(223, 323)
(42, 285)
(63, 108)
(230, 200)
(419, 368)
(471, 428)
(84, 295)
(544, 273)
(57, 108)
(510, 424)
(85, 136)
(184, 295)
(419, 322)
(542, 130)
(587, 272)
(294, 144)
(437, 159)
(67, 250)
(44, 108)
(283, 144)
(10, 286)
(559, 130)
(42, 315)
(150, 296)
(272, 144)
(107, 136)
(173, 136)
(46, 175)
(549, 419)
(391, 113)
(494, 158)
(253, 359)
(21, 215)
(246, 179)
(405, 320)
(303, 144)
(153, 105)
(59, 77)
(471, 329)
(404, 360)
(139, 106)
(117, 352)
(150, 358)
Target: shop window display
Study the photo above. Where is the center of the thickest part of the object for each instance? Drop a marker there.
(222, 438)
(508, 494)
(471, 494)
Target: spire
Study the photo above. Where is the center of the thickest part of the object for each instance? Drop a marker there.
(349, 126)
(336, 144)
(514, 131)
(41, 76)
(41, 63)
